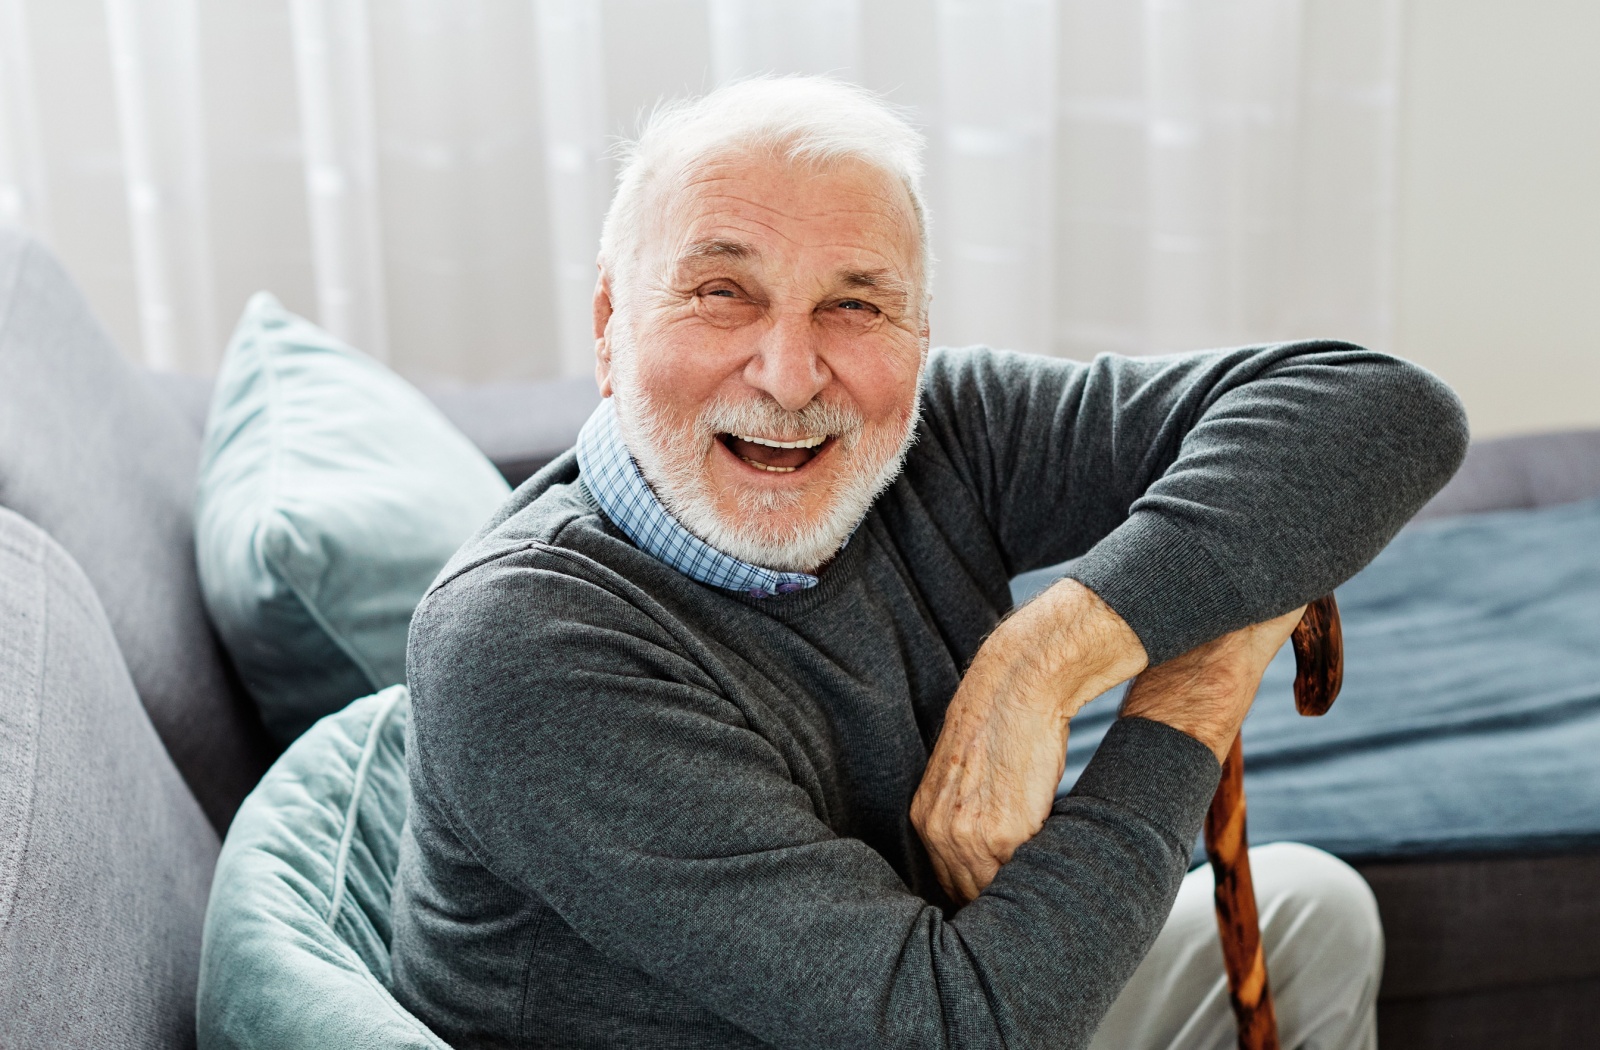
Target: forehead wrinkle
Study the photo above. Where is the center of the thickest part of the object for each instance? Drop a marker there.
(730, 246)
(706, 246)
(764, 211)
(878, 206)
(729, 199)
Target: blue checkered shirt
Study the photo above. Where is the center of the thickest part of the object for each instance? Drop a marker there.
(612, 477)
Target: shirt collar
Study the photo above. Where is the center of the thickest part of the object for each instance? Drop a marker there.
(613, 478)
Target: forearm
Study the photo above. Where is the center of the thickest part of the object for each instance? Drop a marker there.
(1283, 487)
(1200, 492)
(1054, 653)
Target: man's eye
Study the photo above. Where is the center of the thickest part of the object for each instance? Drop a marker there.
(854, 304)
(728, 292)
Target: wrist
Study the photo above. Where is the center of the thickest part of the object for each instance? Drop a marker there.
(1206, 703)
(1207, 692)
(1082, 643)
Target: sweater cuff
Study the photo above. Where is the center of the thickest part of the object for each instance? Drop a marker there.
(1164, 584)
(1159, 773)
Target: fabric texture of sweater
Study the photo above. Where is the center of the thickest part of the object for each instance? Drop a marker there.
(647, 812)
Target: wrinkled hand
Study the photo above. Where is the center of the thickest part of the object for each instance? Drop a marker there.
(1207, 692)
(992, 777)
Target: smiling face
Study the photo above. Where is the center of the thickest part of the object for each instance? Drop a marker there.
(766, 355)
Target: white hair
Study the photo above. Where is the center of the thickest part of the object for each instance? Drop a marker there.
(800, 119)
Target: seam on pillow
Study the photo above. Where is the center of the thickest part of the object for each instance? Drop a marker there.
(29, 737)
(357, 787)
(282, 574)
(274, 491)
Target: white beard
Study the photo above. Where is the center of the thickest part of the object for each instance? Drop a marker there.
(674, 461)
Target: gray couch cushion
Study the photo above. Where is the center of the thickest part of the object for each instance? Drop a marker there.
(100, 460)
(105, 857)
(189, 395)
(1530, 470)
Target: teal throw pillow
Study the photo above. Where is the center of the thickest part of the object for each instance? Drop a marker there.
(296, 946)
(331, 493)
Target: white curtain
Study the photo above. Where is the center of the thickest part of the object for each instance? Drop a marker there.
(427, 177)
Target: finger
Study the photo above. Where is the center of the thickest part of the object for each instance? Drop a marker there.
(958, 883)
(941, 870)
(983, 874)
(1001, 852)
(919, 814)
(951, 865)
(967, 888)
(971, 869)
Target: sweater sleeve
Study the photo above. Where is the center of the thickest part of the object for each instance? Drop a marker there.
(1201, 492)
(595, 765)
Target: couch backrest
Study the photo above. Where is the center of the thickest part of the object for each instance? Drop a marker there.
(1522, 472)
(521, 425)
(97, 458)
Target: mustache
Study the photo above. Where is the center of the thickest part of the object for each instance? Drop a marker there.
(766, 416)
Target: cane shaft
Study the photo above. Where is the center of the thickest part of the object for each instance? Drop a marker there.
(1228, 847)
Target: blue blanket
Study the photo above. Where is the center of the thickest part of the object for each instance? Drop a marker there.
(1470, 716)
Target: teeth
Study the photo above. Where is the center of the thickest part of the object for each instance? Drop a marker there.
(810, 442)
(775, 470)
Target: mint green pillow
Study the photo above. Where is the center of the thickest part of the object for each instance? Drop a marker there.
(331, 493)
(296, 945)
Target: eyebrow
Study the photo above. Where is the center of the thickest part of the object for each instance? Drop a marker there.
(717, 248)
(871, 279)
(883, 280)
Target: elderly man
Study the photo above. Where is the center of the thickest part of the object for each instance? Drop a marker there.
(725, 732)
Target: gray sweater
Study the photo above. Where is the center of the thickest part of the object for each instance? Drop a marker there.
(647, 813)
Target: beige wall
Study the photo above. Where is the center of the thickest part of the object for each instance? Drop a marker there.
(1498, 239)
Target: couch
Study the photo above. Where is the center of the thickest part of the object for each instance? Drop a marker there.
(127, 742)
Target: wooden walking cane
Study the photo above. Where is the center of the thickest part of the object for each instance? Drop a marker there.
(1319, 671)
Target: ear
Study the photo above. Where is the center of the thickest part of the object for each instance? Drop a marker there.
(602, 322)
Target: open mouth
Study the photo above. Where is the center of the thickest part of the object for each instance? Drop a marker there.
(773, 455)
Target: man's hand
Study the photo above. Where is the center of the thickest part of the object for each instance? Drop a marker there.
(992, 777)
(1207, 691)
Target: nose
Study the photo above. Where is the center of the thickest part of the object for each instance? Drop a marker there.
(786, 364)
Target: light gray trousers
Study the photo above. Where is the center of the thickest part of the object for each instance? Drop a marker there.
(1324, 948)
